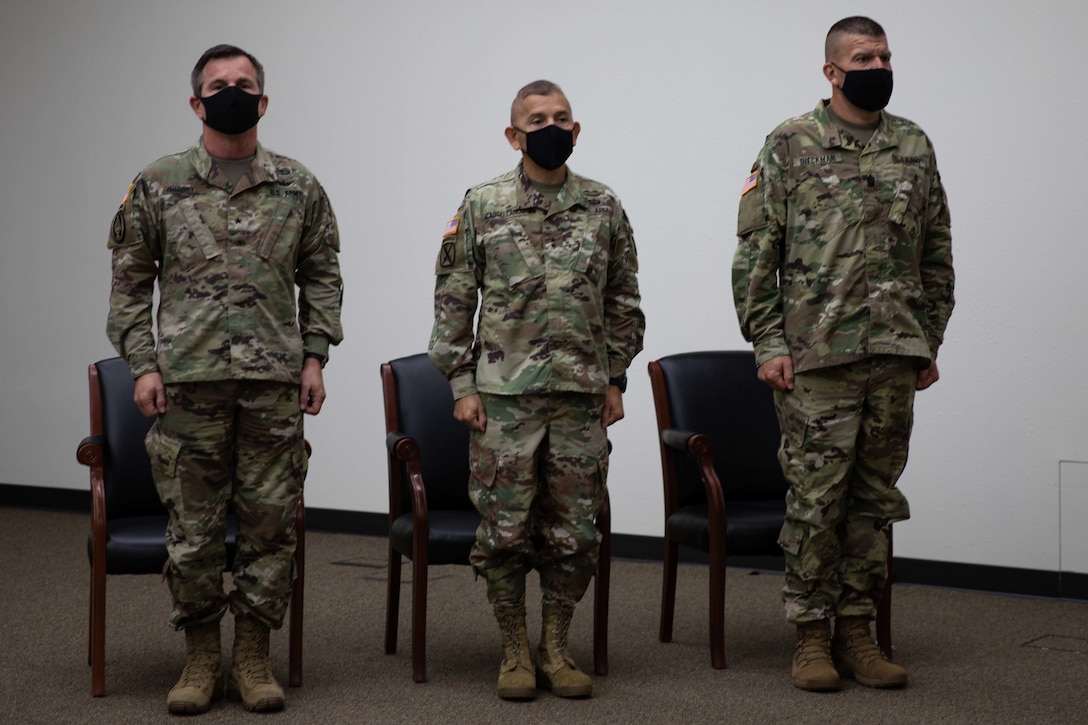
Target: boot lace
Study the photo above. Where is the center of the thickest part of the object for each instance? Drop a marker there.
(508, 621)
(254, 665)
(861, 646)
(561, 634)
(812, 648)
(198, 672)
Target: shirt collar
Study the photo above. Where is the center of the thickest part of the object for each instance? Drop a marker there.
(528, 198)
(262, 169)
(831, 136)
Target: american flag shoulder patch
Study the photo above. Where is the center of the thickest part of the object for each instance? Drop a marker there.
(750, 183)
(451, 228)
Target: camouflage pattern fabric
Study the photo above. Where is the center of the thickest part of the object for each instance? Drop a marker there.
(236, 443)
(844, 251)
(845, 432)
(557, 286)
(540, 467)
(227, 260)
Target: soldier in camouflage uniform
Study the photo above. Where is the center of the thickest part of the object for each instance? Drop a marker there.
(228, 229)
(551, 257)
(843, 281)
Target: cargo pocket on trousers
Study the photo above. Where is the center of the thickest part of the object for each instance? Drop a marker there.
(482, 464)
(790, 538)
(163, 452)
(300, 461)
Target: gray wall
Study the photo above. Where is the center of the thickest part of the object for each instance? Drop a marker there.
(400, 106)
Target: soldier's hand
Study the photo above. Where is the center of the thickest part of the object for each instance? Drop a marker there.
(777, 373)
(928, 376)
(150, 395)
(311, 394)
(470, 411)
(613, 406)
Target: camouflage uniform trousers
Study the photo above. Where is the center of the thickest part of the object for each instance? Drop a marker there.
(845, 433)
(236, 445)
(538, 475)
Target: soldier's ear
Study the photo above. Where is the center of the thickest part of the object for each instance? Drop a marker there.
(197, 106)
(512, 138)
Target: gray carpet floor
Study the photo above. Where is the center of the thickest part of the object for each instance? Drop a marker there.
(973, 657)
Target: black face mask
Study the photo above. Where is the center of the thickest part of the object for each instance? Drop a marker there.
(549, 147)
(867, 89)
(231, 110)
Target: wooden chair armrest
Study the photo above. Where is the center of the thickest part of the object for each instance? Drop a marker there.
(91, 451)
(404, 447)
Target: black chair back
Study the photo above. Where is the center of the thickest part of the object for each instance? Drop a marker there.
(717, 393)
(425, 412)
(126, 474)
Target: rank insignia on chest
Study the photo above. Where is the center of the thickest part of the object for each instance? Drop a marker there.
(451, 228)
(750, 183)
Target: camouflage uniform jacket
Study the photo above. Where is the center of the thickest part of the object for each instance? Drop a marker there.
(227, 262)
(844, 252)
(558, 290)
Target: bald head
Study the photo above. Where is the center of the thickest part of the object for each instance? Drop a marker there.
(856, 25)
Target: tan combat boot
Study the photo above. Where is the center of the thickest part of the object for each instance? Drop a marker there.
(556, 670)
(812, 666)
(201, 679)
(250, 675)
(860, 657)
(517, 680)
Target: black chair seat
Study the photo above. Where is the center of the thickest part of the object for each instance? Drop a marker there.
(452, 534)
(751, 527)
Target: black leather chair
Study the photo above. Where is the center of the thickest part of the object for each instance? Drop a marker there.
(128, 522)
(724, 489)
(431, 519)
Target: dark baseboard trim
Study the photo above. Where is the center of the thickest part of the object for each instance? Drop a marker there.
(42, 497)
(998, 579)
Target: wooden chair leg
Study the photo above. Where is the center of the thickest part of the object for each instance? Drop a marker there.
(98, 630)
(717, 603)
(90, 620)
(392, 601)
(668, 589)
(297, 608)
(419, 617)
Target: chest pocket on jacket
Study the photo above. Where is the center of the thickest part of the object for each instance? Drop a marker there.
(907, 203)
(281, 236)
(509, 255)
(591, 256)
(823, 204)
(189, 238)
